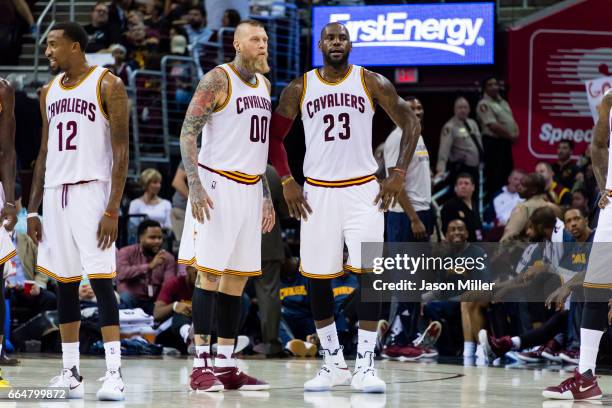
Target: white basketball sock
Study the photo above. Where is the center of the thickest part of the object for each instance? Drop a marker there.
(366, 341)
(70, 355)
(184, 332)
(112, 354)
(516, 343)
(589, 347)
(328, 336)
(199, 350)
(225, 350)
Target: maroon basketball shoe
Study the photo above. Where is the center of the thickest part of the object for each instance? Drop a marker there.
(579, 387)
(392, 352)
(203, 379)
(570, 356)
(430, 336)
(410, 353)
(493, 346)
(551, 351)
(233, 378)
(533, 356)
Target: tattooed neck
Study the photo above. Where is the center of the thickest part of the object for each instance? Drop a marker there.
(245, 70)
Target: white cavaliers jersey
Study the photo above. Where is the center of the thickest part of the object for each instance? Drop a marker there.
(236, 136)
(79, 145)
(337, 121)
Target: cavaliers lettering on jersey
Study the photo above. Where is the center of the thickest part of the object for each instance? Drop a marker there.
(235, 139)
(79, 146)
(337, 120)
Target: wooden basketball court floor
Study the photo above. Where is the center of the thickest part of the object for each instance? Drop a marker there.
(163, 382)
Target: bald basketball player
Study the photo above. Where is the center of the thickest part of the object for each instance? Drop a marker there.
(229, 202)
(342, 200)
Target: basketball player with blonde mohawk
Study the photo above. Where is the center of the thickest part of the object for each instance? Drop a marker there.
(79, 177)
(342, 200)
(229, 203)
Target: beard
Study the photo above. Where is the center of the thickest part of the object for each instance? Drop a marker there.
(335, 63)
(259, 65)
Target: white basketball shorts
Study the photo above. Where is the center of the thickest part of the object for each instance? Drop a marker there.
(342, 212)
(69, 246)
(230, 242)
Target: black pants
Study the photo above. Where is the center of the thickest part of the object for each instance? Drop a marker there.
(553, 326)
(498, 164)
(46, 300)
(267, 287)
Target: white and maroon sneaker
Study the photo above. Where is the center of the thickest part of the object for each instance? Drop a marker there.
(578, 387)
(72, 380)
(430, 336)
(233, 378)
(203, 379)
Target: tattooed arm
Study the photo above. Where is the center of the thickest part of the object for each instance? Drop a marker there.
(115, 103)
(38, 178)
(7, 153)
(399, 111)
(211, 91)
(599, 145)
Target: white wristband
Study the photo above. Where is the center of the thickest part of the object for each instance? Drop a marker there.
(174, 306)
(32, 215)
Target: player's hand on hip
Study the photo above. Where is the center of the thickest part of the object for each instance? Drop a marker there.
(389, 189)
(296, 202)
(201, 204)
(8, 217)
(268, 218)
(107, 231)
(604, 200)
(35, 229)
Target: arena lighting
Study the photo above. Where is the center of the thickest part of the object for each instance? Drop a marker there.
(415, 35)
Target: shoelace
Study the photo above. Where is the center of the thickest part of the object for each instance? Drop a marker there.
(567, 384)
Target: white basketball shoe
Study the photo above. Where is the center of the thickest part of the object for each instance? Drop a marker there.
(70, 378)
(112, 388)
(334, 372)
(365, 378)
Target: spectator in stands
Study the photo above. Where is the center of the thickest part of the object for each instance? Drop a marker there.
(118, 14)
(268, 284)
(174, 300)
(134, 18)
(562, 327)
(154, 17)
(580, 200)
(196, 28)
(462, 207)
(460, 148)
(179, 201)
(505, 201)
(122, 67)
(142, 49)
(143, 267)
(557, 193)
(533, 190)
(216, 9)
(100, 35)
(12, 28)
(499, 131)
(411, 219)
(231, 18)
(150, 204)
(565, 169)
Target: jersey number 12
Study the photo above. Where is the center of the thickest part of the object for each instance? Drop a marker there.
(71, 128)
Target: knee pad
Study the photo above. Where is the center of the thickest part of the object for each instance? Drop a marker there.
(108, 309)
(368, 311)
(68, 305)
(203, 310)
(321, 299)
(228, 315)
